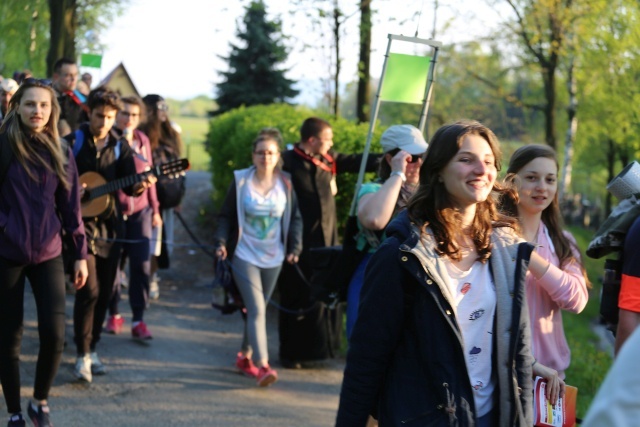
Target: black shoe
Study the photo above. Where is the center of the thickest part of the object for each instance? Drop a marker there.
(16, 420)
(39, 417)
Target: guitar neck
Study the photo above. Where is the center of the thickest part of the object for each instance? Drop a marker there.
(118, 184)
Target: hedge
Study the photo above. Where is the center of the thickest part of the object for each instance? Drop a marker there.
(232, 133)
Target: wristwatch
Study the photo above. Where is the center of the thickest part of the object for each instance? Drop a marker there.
(402, 176)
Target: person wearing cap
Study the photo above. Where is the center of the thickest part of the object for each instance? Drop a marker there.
(8, 88)
(379, 201)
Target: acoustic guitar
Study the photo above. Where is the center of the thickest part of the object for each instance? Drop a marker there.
(97, 196)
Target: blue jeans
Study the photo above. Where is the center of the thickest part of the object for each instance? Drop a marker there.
(353, 294)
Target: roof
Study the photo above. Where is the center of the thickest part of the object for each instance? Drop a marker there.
(120, 81)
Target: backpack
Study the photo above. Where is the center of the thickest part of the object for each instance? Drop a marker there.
(231, 299)
(170, 188)
(79, 142)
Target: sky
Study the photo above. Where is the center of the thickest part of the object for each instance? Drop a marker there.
(173, 48)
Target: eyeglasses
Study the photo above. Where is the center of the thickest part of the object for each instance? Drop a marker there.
(37, 82)
(414, 157)
(265, 153)
(162, 107)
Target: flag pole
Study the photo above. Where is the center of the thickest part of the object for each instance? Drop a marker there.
(372, 126)
(427, 96)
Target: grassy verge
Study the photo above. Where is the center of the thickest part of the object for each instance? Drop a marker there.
(589, 364)
(194, 136)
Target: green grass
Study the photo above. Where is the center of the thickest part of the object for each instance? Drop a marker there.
(589, 364)
(194, 135)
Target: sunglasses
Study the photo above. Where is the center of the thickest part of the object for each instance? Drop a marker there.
(414, 157)
(37, 82)
(162, 107)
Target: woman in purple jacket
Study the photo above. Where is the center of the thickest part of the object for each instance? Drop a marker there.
(39, 197)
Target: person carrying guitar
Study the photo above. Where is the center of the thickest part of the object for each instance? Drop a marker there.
(98, 149)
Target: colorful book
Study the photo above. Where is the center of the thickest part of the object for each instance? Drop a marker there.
(545, 414)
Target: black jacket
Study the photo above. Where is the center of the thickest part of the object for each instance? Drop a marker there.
(406, 363)
(313, 188)
(111, 163)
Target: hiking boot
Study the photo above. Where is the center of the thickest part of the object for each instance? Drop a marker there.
(154, 290)
(141, 332)
(267, 376)
(16, 420)
(246, 366)
(97, 367)
(39, 415)
(114, 324)
(82, 370)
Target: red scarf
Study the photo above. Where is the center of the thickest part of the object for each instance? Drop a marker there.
(75, 98)
(330, 167)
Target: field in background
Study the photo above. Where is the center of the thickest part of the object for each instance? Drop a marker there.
(194, 136)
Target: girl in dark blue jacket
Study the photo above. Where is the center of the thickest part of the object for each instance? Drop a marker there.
(442, 334)
(39, 197)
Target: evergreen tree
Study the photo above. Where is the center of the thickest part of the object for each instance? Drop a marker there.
(253, 77)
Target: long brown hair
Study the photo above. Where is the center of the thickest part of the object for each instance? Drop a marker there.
(551, 216)
(20, 137)
(432, 205)
(159, 133)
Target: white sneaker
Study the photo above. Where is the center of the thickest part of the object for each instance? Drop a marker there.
(97, 367)
(154, 290)
(82, 370)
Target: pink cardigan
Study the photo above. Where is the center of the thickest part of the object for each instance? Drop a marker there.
(142, 159)
(558, 289)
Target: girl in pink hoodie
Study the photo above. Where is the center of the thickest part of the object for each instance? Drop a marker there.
(563, 286)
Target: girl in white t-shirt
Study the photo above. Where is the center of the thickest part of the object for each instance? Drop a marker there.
(259, 227)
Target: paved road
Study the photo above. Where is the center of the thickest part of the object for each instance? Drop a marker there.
(185, 375)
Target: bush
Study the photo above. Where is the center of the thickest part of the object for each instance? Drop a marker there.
(231, 135)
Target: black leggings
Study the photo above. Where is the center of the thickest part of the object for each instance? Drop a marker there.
(47, 283)
(92, 300)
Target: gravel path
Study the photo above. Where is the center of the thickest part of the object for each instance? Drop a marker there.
(185, 375)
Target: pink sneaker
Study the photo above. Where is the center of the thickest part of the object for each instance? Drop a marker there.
(267, 376)
(141, 332)
(246, 366)
(114, 325)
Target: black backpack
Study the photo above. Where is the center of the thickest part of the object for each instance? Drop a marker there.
(170, 188)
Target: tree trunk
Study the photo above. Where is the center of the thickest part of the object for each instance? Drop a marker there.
(363, 101)
(64, 22)
(611, 160)
(336, 78)
(572, 109)
(549, 79)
